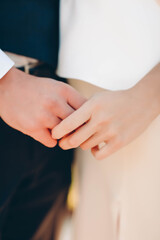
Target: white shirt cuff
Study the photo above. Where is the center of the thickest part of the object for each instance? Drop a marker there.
(5, 63)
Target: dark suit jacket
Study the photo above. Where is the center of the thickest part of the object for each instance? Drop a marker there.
(30, 28)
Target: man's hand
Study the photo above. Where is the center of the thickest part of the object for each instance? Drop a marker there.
(35, 105)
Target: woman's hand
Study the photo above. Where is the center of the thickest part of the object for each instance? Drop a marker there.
(115, 118)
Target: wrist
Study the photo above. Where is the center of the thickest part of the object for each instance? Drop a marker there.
(4, 82)
(148, 91)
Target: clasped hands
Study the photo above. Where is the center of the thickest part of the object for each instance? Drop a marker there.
(115, 118)
(48, 110)
(111, 117)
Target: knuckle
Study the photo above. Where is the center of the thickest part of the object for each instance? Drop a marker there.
(42, 117)
(32, 126)
(56, 103)
(51, 102)
(118, 142)
(73, 142)
(112, 133)
(96, 125)
(113, 130)
(101, 122)
(47, 102)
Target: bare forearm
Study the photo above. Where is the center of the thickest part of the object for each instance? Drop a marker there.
(3, 82)
(148, 90)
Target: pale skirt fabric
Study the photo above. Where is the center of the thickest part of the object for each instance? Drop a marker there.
(119, 197)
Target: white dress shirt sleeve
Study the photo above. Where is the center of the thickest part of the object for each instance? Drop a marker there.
(5, 63)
